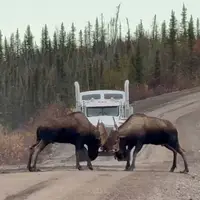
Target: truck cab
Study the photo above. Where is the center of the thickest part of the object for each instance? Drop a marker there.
(103, 105)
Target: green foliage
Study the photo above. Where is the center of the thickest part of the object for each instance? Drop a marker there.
(138, 65)
(32, 77)
(157, 68)
(191, 34)
(198, 29)
(184, 23)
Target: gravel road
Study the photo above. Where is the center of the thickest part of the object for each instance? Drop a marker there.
(151, 179)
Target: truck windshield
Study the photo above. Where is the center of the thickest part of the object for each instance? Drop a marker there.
(99, 111)
(114, 96)
(90, 96)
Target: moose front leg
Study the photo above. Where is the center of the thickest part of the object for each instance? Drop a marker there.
(79, 148)
(78, 166)
(138, 147)
(128, 160)
(89, 164)
(31, 151)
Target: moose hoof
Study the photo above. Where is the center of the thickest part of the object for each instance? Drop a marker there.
(34, 170)
(30, 169)
(185, 171)
(90, 167)
(172, 170)
(79, 168)
(129, 169)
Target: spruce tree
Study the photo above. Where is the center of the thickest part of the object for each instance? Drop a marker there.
(155, 29)
(81, 39)
(184, 23)
(62, 39)
(198, 29)
(163, 33)
(17, 43)
(191, 38)
(55, 42)
(73, 37)
(1, 48)
(172, 41)
(45, 40)
(157, 68)
(28, 43)
(138, 65)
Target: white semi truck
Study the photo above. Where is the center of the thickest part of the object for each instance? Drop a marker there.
(103, 105)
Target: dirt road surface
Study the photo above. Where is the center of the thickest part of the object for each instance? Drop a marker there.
(151, 179)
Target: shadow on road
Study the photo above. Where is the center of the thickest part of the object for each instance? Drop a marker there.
(96, 168)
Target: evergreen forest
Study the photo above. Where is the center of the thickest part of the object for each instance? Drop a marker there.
(162, 59)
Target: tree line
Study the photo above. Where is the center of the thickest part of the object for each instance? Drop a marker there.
(33, 76)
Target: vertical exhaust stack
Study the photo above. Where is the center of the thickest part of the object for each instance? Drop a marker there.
(126, 90)
(77, 95)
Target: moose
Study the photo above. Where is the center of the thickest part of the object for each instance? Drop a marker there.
(75, 129)
(140, 129)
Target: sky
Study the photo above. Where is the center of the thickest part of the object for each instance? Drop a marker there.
(18, 14)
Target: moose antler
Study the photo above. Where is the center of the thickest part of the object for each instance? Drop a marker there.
(98, 124)
(115, 125)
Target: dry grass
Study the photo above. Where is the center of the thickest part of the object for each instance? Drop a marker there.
(14, 146)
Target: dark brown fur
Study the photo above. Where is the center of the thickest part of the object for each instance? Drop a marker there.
(75, 129)
(111, 140)
(140, 129)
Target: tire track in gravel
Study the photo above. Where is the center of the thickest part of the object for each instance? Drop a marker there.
(150, 181)
(155, 185)
(22, 195)
(153, 181)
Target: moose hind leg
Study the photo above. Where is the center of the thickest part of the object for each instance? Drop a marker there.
(176, 146)
(174, 157)
(138, 147)
(180, 151)
(41, 145)
(31, 151)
